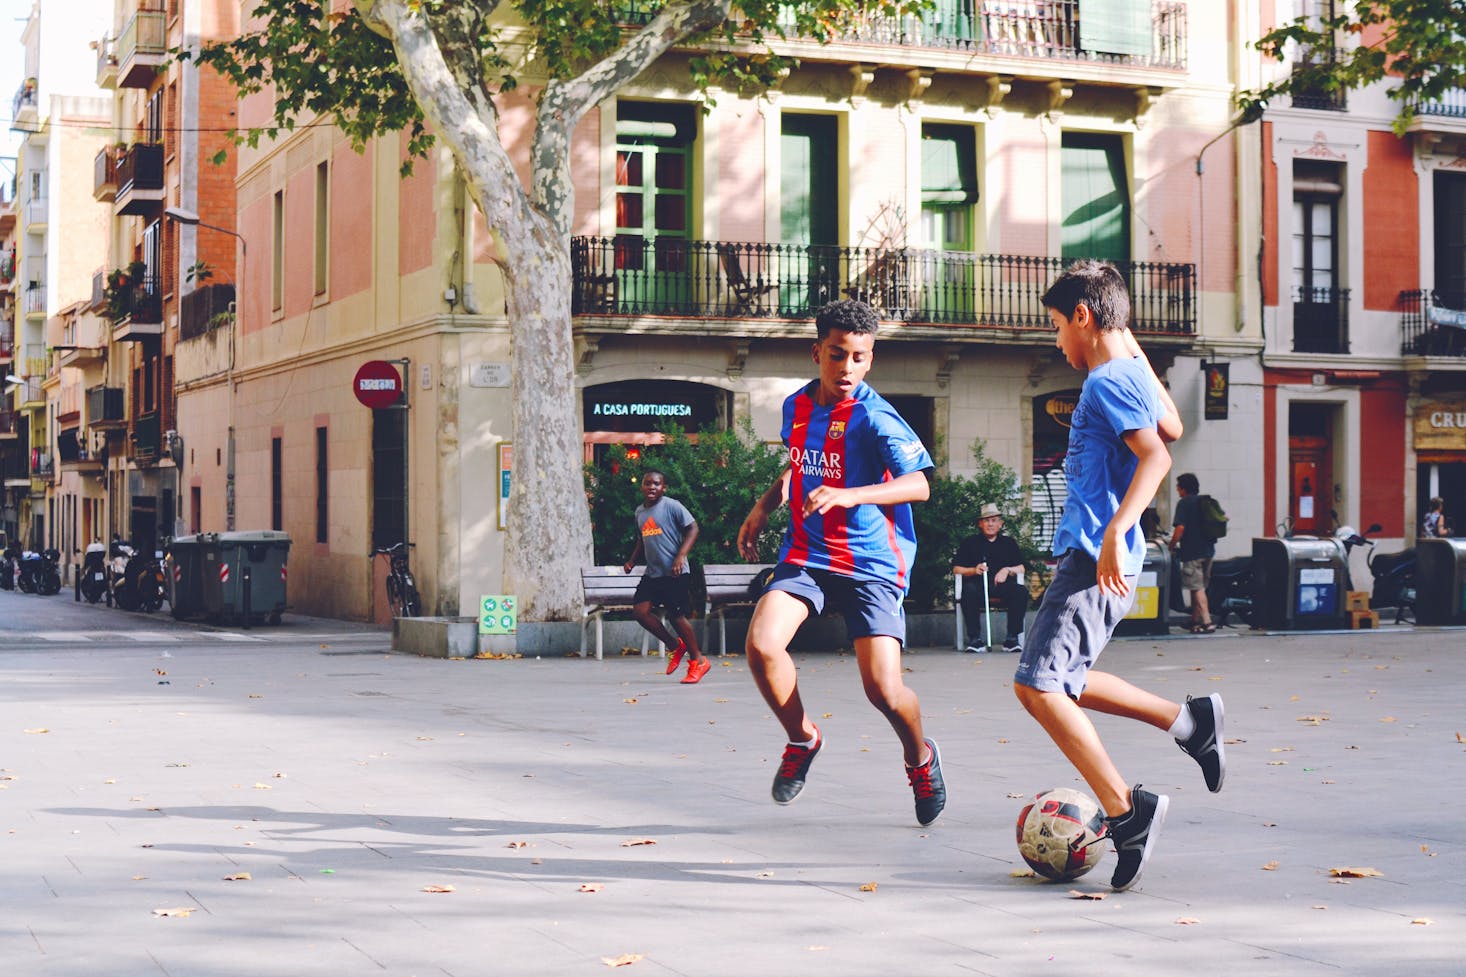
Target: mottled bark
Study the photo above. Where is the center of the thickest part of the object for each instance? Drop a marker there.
(549, 538)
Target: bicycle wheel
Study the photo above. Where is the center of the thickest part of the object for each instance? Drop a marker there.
(394, 597)
(412, 603)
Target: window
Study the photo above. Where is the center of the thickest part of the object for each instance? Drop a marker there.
(195, 503)
(323, 224)
(322, 486)
(277, 262)
(152, 256)
(1318, 302)
(948, 192)
(809, 194)
(277, 485)
(653, 203)
(1096, 197)
(1450, 239)
(153, 119)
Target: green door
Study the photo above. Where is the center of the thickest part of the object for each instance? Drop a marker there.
(1096, 197)
(809, 193)
(653, 213)
(946, 270)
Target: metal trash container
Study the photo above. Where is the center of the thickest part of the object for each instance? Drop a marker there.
(251, 575)
(1440, 581)
(1299, 583)
(183, 569)
(1149, 613)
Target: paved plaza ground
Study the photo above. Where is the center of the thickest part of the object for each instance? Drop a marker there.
(197, 805)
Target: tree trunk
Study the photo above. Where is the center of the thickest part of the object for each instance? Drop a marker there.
(548, 538)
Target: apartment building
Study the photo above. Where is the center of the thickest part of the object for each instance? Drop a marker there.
(943, 168)
(156, 423)
(58, 238)
(1363, 273)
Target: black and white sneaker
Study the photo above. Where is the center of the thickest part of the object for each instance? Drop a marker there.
(1134, 834)
(974, 649)
(928, 787)
(794, 768)
(1205, 746)
(1014, 643)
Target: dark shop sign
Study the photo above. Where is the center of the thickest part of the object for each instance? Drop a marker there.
(650, 405)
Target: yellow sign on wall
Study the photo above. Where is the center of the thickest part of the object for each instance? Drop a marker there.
(1440, 426)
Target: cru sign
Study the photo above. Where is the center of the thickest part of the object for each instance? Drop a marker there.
(377, 384)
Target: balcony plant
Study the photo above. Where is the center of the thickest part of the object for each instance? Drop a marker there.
(120, 295)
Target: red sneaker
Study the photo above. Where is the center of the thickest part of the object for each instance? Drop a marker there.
(674, 656)
(696, 670)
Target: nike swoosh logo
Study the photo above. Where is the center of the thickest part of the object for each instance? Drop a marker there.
(799, 424)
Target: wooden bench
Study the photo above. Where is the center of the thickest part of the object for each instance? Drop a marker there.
(727, 586)
(608, 588)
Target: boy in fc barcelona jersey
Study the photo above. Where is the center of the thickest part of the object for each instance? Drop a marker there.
(854, 468)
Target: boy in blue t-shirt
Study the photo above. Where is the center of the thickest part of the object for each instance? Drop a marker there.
(854, 468)
(1116, 461)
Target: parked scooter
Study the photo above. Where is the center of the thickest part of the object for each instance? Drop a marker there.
(145, 574)
(38, 573)
(119, 591)
(1393, 573)
(94, 573)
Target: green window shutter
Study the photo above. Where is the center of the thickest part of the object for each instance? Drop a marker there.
(948, 165)
(1115, 26)
(1096, 197)
(808, 181)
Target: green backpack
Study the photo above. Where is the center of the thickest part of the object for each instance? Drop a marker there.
(1213, 517)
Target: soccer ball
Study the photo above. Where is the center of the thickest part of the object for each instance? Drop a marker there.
(1062, 834)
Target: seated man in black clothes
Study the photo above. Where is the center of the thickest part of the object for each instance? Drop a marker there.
(996, 556)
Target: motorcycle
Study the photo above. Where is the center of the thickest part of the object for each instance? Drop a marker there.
(94, 573)
(9, 565)
(119, 591)
(38, 573)
(1393, 573)
(145, 574)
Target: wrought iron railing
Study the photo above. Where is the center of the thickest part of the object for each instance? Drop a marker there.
(145, 435)
(1433, 323)
(1312, 93)
(140, 167)
(628, 276)
(105, 405)
(1320, 320)
(104, 174)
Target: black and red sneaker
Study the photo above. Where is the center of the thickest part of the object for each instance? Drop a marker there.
(927, 786)
(789, 781)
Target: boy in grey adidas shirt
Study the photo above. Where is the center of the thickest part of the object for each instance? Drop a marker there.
(665, 534)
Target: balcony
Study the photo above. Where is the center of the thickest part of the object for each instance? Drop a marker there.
(145, 437)
(99, 289)
(106, 62)
(205, 309)
(104, 176)
(29, 395)
(136, 310)
(35, 215)
(7, 340)
(1433, 323)
(74, 455)
(23, 111)
(78, 339)
(1320, 320)
(1445, 114)
(7, 269)
(141, 48)
(139, 179)
(9, 425)
(106, 409)
(987, 293)
(33, 304)
(1310, 91)
(1047, 30)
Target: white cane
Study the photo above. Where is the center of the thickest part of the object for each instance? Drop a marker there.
(987, 612)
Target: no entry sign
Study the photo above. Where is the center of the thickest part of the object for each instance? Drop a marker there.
(377, 384)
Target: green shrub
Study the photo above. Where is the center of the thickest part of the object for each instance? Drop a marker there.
(718, 477)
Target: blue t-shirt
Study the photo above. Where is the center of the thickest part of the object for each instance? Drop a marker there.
(859, 441)
(1117, 397)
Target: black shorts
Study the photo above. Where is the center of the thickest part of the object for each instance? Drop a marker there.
(668, 592)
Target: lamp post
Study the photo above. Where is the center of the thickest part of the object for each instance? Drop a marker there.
(190, 219)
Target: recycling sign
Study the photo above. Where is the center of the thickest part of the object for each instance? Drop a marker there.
(498, 614)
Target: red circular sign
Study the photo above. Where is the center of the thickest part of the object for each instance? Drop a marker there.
(377, 384)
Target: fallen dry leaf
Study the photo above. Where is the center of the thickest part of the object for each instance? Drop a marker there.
(1096, 896)
(1283, 749)
(437, 888)
(633, 842)
(1320, 907)
(1277, 763)
(517, 844)
(1313, 720)
(263, 787)
(629, 702)
(1270, 867)
(1355, 873)
(625, 960)
(1187, 921)
(1013, 796)
(1422, 921)
(1022, 873)
(238, 877)
(41, 729)
(591, 887)
(826, 715)
(1388, 719)
(1293, 698)
(1460, 738)
(175, 911)
(868, 887)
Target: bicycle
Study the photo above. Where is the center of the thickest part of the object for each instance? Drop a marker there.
(402, 593)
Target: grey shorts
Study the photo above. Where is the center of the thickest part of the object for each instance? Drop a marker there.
(1196, 574)
(1072, 626)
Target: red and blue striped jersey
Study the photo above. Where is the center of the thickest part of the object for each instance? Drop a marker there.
(859, 441)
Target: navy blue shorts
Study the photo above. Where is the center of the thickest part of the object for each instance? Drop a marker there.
(668, 592)
(871, 608)
(1072, 626)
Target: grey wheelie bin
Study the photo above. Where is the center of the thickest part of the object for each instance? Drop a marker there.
(1300, 583)
(1440, 581)
(236, 577)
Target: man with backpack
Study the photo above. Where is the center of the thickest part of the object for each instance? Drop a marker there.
(1197, 524)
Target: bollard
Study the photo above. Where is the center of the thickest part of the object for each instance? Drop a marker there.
(76, 581)
(244, 593)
